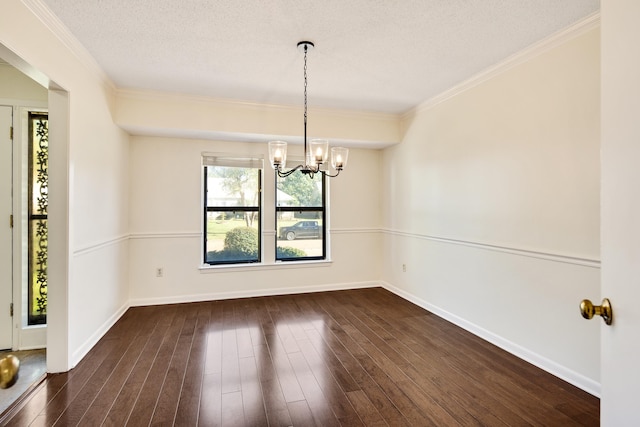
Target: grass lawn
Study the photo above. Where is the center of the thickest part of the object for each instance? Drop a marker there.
(217, 229)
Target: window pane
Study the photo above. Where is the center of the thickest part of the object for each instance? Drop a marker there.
(227, 186)
(299, 190)
(300, 235)
(232, 237)
(300, 217)
(38, 255)
(232, 215)
(37, 223)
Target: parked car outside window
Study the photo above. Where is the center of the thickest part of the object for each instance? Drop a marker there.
(301, 230)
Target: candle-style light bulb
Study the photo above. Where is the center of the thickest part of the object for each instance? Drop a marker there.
(277, 153)
(339, 156)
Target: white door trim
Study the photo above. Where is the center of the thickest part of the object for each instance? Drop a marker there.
(6, 232)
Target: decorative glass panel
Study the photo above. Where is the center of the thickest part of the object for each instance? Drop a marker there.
(37, 221)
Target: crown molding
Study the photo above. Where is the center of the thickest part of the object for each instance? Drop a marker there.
(587, 24)
(59, 30)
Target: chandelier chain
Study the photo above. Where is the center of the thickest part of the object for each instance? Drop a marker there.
(305, 100)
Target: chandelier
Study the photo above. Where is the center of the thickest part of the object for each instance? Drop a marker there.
(316, 151)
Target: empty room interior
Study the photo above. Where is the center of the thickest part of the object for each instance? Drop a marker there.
(415, 254)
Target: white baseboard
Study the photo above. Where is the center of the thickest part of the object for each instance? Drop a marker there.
(82, 351)
(177, 299)
(32, 337)
(562, 372)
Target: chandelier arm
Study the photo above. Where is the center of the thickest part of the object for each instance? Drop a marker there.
(283, 174)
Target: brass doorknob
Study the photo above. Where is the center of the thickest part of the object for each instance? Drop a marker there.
(588, 310)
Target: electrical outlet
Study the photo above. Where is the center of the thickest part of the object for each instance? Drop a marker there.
(404, 268)
(159, 272)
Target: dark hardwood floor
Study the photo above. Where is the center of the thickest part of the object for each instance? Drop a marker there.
(351, 358)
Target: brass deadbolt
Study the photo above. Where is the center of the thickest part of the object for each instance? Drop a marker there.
(588, 310)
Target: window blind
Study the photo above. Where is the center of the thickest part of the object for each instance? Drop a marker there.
(215, 159)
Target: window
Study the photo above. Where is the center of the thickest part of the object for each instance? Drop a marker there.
(38, 190)
(232, 213)
(300, 217)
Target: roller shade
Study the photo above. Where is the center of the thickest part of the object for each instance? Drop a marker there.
(214, 159)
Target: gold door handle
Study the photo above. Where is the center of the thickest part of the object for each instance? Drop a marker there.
(588, 310)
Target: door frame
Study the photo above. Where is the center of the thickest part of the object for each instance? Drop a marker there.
(7, 141)
(60, 229)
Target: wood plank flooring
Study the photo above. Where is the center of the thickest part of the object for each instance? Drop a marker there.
(348, 358)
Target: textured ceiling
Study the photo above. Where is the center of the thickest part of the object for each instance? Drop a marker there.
(371, 55)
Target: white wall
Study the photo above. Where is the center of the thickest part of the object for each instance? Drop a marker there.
(88, 173)
(492, 202)
(18, 89)
(166, 227)
(163, 114)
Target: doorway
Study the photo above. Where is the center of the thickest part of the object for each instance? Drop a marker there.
(23, 207)
(23, 189)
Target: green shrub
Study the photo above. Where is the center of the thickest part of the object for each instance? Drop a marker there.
(229, 256)
(288, 252)
(242, 240)
(241, 244)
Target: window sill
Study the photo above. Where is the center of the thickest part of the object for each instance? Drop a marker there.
(278, 265)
